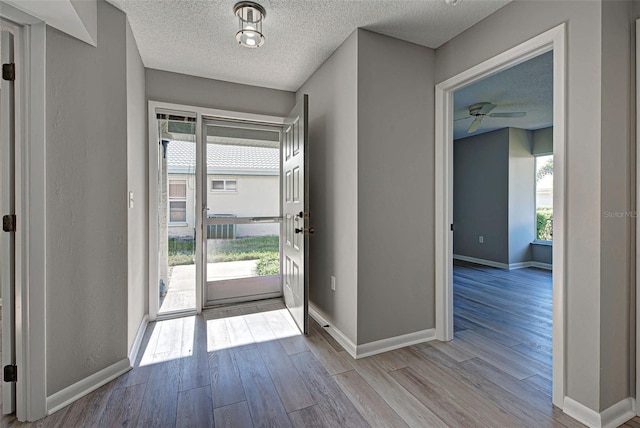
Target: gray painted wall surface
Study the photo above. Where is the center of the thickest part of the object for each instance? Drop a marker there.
(617, 159)
(480, 196)
(589, 382)
(522, 206)
(137, 173)
(200, 92)
(86, 201)
(333, 158)
(542, 253)
(543, 141)
(395, 187)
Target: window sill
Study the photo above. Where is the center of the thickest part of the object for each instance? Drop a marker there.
(179, 224)
(543, 243)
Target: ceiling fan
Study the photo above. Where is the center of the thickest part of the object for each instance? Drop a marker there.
(481, 110)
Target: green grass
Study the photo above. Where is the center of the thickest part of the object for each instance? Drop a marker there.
(265, 249)
(544, 224)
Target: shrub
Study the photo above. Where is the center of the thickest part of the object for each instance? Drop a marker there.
(544, 224)
(269, 264)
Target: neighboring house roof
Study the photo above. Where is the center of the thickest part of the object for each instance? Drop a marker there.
(224, 159)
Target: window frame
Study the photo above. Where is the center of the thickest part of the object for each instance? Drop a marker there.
(171, 199)
(224, 189)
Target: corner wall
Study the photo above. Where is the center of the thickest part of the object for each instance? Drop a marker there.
(522, 200)
(137, 182)
(87, 227)
(333, 158)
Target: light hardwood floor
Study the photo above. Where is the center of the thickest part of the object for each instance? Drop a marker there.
(248, 367)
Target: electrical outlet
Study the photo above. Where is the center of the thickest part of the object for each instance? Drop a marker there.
(481, 239)
(333, 283)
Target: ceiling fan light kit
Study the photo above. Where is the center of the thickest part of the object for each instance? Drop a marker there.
(250, 16)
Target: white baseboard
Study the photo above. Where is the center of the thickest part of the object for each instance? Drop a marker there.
(612, 417)
(371, 348)
(338, 335)
(137, 341)
(79, 389)
(391, 343)
(510, 266)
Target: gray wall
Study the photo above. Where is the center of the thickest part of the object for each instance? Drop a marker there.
(395, 187)
(480, 196)
(617, 162)
(137, 173)
(333, 158)
(86, 159)
(543, 141)
(589, 175)
(200, 92)
(522, 206)
(542, 253)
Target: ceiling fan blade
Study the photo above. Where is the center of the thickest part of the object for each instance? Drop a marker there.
(461, 118)
(474, 125)
(487, 107)
(512, 114)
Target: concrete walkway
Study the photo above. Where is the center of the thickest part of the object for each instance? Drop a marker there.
(181, 290)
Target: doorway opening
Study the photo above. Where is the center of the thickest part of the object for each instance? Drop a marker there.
(551, 43)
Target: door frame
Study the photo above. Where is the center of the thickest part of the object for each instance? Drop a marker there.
(201, 113)
(551, 40)
(30, 171)
(637, 82)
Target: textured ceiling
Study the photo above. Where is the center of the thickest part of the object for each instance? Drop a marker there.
(527, 87)
(198, 37)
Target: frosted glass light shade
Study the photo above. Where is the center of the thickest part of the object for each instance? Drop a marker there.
(250, 16)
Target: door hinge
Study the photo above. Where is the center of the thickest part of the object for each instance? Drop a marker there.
(9, 223)
(9, 71)
(10, 373)
(452, 227)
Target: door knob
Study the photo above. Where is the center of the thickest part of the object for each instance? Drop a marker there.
(305, 230)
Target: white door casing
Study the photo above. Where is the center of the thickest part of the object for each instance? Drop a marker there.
(295, 197)
(7, 275)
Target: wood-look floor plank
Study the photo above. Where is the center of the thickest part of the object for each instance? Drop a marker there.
(310, 417)
(370, 405)
(454, 352)
(456, 389)
(332, 361)
(291, 388)
(194, 364)
(330, 340)
(123, 407)
(464, 324)
(412, 411)
(499, 356)
(88, 410)
(159, 404)
(262, 397)
(294, 344)
(538, 413)
(540, 383)
(336, 407)
(195, 409)
(226, 385)
(233, 416)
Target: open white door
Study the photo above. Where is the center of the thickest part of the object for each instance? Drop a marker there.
(7, 238)
(295, 210)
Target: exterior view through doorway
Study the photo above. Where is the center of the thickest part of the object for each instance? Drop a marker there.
(227, 224)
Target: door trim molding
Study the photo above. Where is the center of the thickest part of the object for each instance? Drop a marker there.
(637, 217)
(31, 395)
(551, 40)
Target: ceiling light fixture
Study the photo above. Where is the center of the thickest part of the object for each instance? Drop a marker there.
(250, 15)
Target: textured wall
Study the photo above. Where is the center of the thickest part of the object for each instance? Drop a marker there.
(395, 187)
(481, 196)
(138, 177)
(333, 158)
(86, 201)
(197, 91)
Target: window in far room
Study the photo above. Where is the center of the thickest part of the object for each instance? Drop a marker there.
(544, 198)
(177, 201)
(220, 185)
